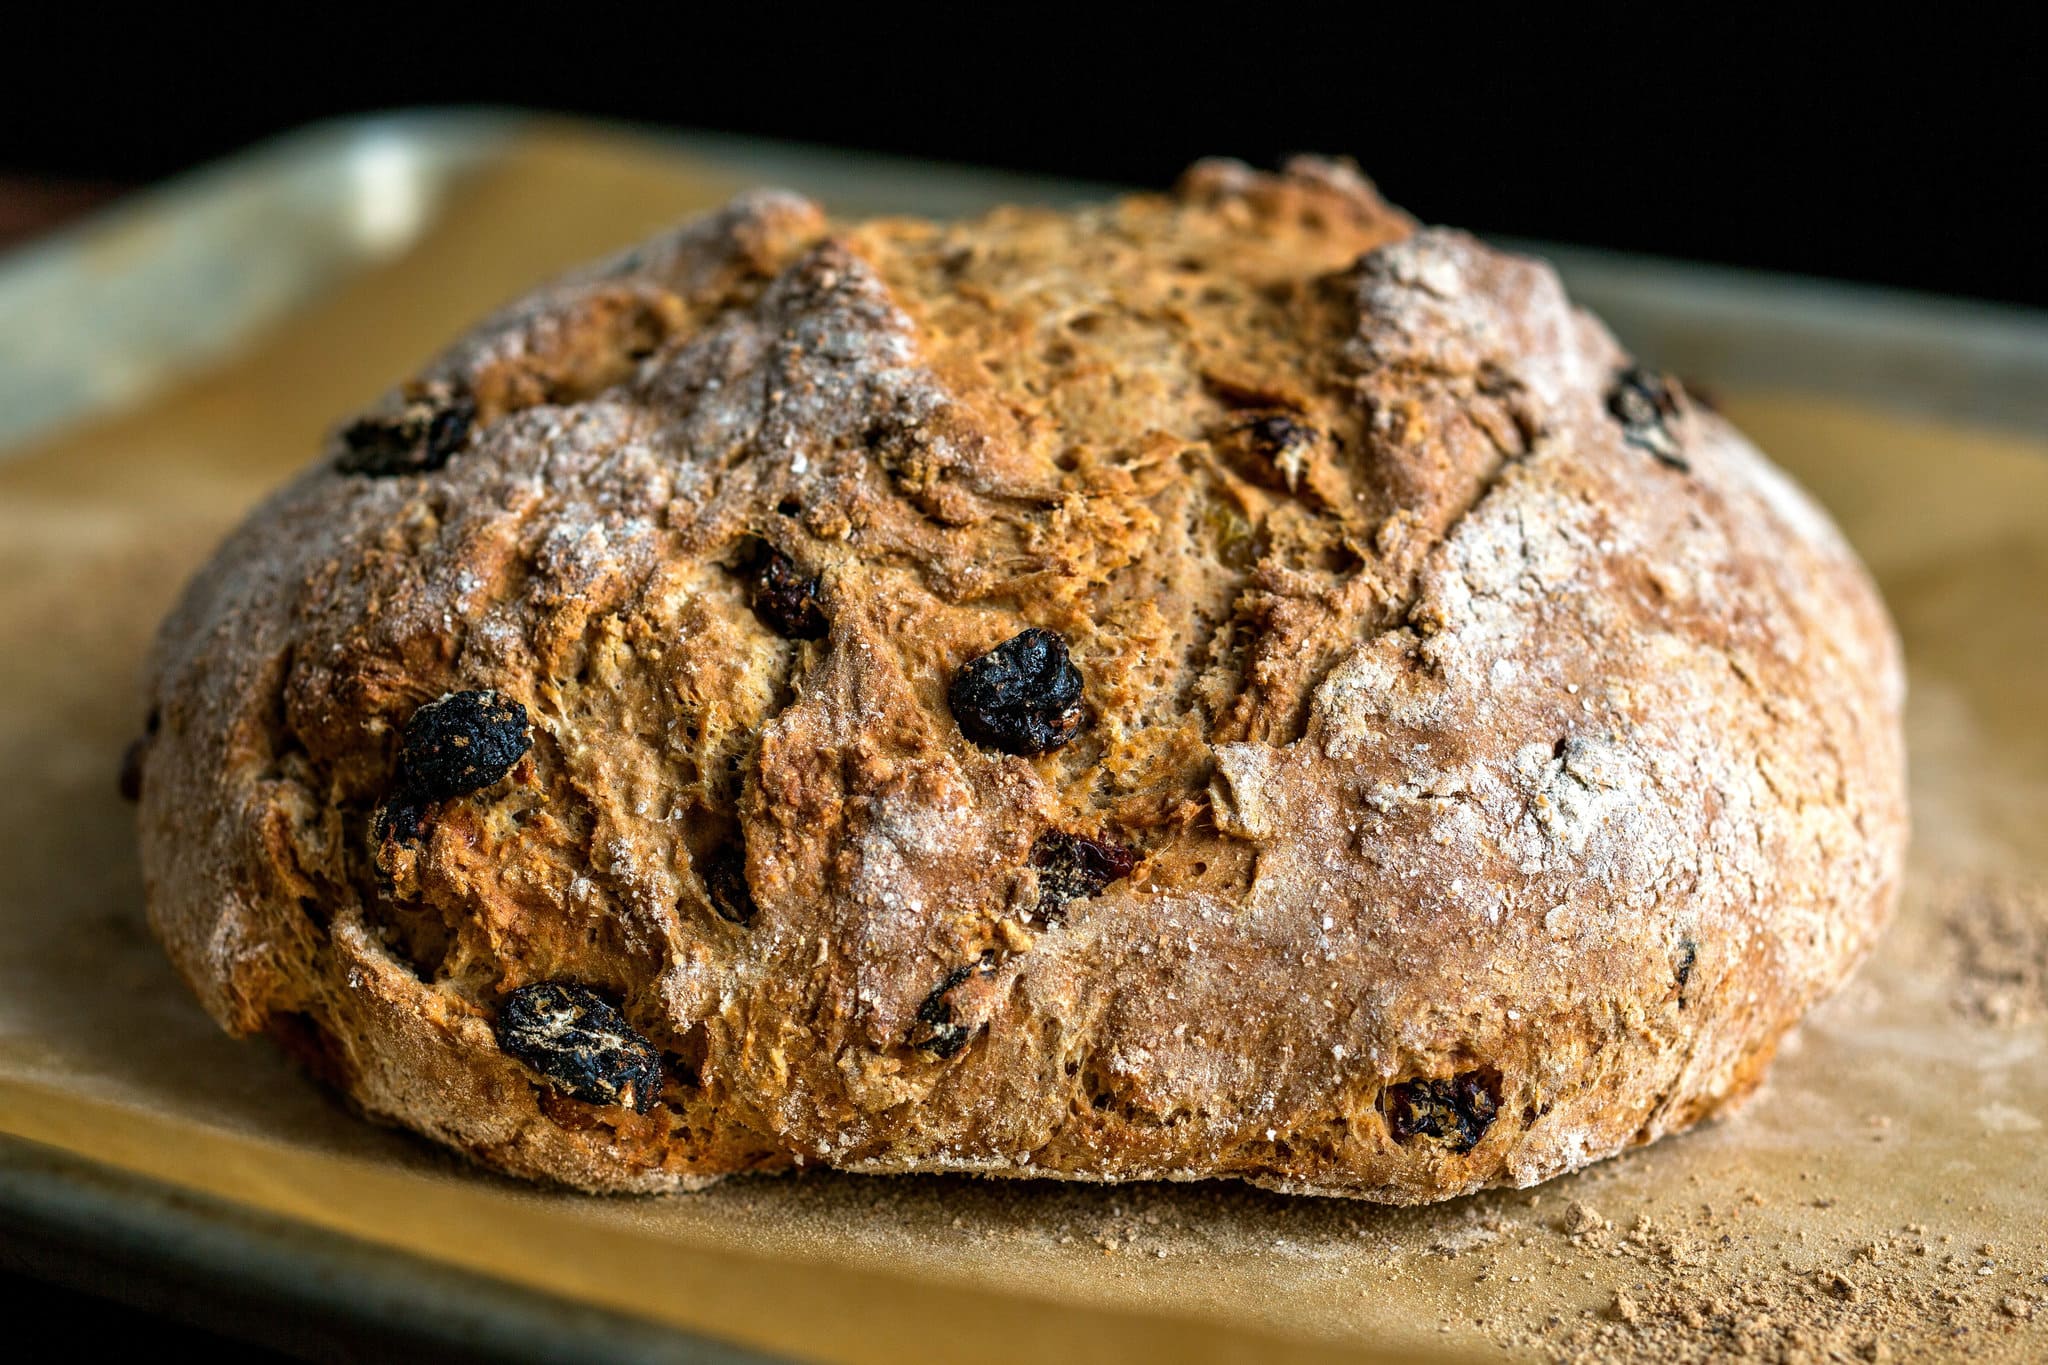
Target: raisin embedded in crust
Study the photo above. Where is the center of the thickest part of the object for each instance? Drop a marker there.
(782, 597)
(1646, 403)
(1074, 867)
(938, 1030)
(418, 439)
(1022, 697)
(1453, 1113)
(725, 881)
(400, 819)
(1282, 444)
(461, 743)
(572, 1035)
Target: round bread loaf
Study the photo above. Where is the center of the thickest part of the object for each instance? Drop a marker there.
(1226, 684)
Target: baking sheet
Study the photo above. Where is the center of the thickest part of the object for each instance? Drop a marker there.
(1886, 1190)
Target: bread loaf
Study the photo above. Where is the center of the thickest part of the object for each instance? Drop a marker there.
(1222, 684)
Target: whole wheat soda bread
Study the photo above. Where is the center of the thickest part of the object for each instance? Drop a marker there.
(1223, 684)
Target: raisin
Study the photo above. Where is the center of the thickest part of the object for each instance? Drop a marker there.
(1646, 403)
(1022, 697)
(937, 1031)
(1688, 955)
(462, 743)
(1454, 1113)
(725, 881)
(1277, 433)
(1282, 443)
(400, 819)
(418, 439)
(1074, 867)
(574, 1037)
(782, 597)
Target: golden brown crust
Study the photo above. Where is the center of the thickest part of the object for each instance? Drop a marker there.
(1503, 790)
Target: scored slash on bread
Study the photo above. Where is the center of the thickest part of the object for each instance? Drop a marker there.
(1222, 684)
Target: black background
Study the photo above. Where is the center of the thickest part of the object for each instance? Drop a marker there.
(1906, 158)
(1815, 145)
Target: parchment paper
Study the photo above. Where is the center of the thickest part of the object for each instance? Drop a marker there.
(1884, 1193)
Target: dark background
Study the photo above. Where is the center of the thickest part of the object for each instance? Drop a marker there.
(1910, 160)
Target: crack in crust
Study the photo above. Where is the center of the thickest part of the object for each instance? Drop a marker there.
(1428, 730)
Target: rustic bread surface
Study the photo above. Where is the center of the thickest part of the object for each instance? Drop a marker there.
(1413, 749)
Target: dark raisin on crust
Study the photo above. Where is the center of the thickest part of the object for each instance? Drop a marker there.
(418, 439)
(1688, 955)
(574, 1037)
(1074, 867)
(401, 820)
(937, 1030)
(1453, 1112)
(1022, 697)
(725, 881)
(1277, 432)
(1646, 403)
(461, 743)
(782, 597)
(1281, 443)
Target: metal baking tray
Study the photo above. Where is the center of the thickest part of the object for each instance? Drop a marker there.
(149, 292)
